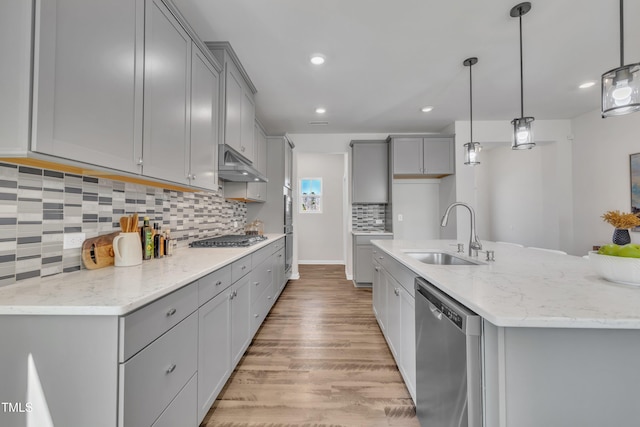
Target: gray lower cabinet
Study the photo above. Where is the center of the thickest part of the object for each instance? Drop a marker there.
(394, 308)
(161, 365)
(369, 171)
(214, 337)
(431, 155)
(362, 252)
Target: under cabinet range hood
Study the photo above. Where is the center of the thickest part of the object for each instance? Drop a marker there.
(233, 167)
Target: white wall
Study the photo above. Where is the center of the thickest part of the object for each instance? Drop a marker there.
(330, 144)
(601, 174)
(519, 196)
(418, 201)
(320, 235)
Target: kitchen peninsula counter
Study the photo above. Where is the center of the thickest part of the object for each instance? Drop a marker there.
(559, 345)
(118, 290)
(526, 287)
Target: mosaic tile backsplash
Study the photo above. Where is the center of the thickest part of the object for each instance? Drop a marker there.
(38, 206)
(364, 216)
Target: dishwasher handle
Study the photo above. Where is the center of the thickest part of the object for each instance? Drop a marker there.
(463, 318)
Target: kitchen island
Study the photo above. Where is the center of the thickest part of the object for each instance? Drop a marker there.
(146, 345)
(560, 345)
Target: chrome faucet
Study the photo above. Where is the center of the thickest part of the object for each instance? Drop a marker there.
(474, 242)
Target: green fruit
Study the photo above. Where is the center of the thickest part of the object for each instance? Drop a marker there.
(630, 250)
(610, 249)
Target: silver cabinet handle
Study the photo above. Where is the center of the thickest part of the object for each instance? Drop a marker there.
(377, 268)
(268, 296)
(255, 315)
(268, 271)
(171, 312)
(219, 282)
(193, 177)
(244, 267)
(171, 368)
(140, 161)
(235, 293)
(380, 257)
(396, 291)
(280, 256)
(375, 252)
(256, 283)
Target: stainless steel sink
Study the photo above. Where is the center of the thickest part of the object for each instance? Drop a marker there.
(440, 258)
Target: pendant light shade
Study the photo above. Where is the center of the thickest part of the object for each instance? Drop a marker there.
(522, 132)
(621, 86)
(472, 149)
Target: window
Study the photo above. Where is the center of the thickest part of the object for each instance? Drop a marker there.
(311, 195)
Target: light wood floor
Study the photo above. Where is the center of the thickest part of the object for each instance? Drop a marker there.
(319, 359)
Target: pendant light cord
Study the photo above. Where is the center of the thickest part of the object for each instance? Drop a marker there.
(621, 34)
(521, 71)
(471, 103)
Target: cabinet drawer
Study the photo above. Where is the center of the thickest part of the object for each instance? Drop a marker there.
(277, 245)
(182, 411)
(403, 275)
(366, 240)
(261, 254)
(153, 377)
(261, 278)
(146, 324)
(259, 310)
(240, 268)
(212, 284)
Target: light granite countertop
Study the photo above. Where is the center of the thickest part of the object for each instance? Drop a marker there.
(526, 287)
(117, 290)
(371, 233)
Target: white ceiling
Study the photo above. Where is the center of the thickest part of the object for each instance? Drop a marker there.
(388, 58)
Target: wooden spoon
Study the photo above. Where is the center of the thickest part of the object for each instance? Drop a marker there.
(134, 222)
(123, 223)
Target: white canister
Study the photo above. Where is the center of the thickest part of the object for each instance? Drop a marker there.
(127, 249)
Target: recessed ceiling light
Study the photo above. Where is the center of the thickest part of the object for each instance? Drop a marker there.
(587, 85)
(321, 110)
(426, 109)
(317, 59)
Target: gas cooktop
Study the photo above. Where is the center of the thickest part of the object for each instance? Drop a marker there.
(229, 241)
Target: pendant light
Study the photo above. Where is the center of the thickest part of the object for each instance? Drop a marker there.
(621, 86)
(472, 149)
(522, 133)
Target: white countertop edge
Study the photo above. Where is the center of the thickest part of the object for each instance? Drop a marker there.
(573, 322)
(15, 298)
(371, 233)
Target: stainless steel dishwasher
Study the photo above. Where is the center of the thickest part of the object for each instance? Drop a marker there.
(448, 360)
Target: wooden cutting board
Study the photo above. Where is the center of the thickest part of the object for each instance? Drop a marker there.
(97, 252)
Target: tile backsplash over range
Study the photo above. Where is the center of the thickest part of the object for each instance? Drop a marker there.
(38, 206)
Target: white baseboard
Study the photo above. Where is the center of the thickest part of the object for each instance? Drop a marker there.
(317, 262)
(294, 276)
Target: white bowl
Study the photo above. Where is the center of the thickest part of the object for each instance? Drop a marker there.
(616, 269)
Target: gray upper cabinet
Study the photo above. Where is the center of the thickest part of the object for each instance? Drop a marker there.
(369, 171)
(87, 89)
(167, 95)
(428, 155)
(288, 164)
(237, 101)
(205, 84)
(258, 190)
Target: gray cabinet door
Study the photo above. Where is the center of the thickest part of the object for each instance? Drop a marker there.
(88, 74)
(204, 122)
(438, 156)
(247, 119)
(407, 156)
(393, 325)
(378, 293)
(363, 268)
(214, 350)
(240, 318)
(370, 172)
(233, 107)
(166, 95)
(408, 339)
(258, 190)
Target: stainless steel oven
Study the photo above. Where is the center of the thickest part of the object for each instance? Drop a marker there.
(448, 360)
